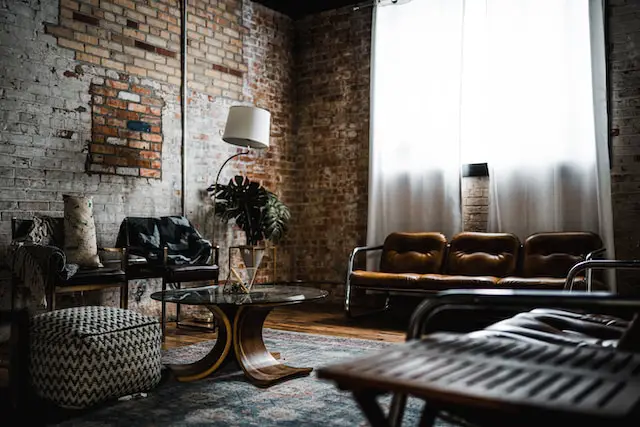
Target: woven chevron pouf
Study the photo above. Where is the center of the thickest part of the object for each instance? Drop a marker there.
(84, 355)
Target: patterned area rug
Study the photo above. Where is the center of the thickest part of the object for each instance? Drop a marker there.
(227, 399)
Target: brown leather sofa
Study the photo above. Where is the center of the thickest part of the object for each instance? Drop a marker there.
(425, 263)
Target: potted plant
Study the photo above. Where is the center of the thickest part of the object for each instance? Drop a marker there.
(256, 210)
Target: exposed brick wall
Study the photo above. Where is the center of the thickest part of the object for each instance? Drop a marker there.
(47, 90)
(332, 82)
(126, 128)
(624, 27)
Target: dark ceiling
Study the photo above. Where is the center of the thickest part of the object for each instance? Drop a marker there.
(298, 8)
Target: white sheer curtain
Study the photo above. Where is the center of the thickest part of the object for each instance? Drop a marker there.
(544, 130)
(414, 175)
(518, 84)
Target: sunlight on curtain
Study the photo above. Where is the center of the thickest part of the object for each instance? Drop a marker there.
(539, 129)
(414, 177)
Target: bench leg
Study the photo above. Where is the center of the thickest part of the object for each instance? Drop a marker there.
(124, 295)
(163, 320)
(371, 408)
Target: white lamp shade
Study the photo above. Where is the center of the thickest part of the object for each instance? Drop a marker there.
(248, 127)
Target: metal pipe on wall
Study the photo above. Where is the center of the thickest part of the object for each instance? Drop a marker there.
(183, 107)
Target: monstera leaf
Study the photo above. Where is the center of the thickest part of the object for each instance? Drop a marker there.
(275, 219)
(255, 210)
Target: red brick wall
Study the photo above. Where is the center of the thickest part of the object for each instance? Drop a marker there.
(117, 147)
(332, 134)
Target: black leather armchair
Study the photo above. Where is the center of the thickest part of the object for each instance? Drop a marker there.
(169, 248)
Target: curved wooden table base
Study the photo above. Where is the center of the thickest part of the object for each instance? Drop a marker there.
(258, 364)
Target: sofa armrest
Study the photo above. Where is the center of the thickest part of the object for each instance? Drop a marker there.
(478, 300)
(352, 259)
(602, 264)
(355, 252)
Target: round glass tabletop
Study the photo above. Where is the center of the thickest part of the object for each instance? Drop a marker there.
(260, 294)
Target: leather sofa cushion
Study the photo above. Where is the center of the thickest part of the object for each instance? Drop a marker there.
(439, 282)
(379, 280)
(483, 254)
(413, 253)
(559, 327)
(548, 283)
(553, 254)
(426, 282)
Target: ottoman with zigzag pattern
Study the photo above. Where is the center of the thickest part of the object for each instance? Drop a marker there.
(85, 355)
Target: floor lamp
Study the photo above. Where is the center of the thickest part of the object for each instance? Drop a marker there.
(247, 127)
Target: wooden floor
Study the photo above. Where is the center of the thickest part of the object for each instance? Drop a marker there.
(320, 319)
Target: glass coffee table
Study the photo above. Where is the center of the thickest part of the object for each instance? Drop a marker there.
(240, 318)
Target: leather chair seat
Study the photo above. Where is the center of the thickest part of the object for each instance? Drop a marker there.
(559, 327)
(191, 273)
(96, 276)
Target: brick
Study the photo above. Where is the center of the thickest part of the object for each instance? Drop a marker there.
(140, 90)
(117, 103)
(87, 58)
(112, 64)
(149, 155)
(117, 84)
(84, 38)
(151, 137)
(127, 115)
(137, 107)
(139, 71)
(141, 145)
(58, 31)
(101, 90)
(151, 101)
(71, 44)
(123, 40)
(145, 46)
(86, 19)
(97, 51)
(102, 149)
(70, 4)
(132, 24)
(150, 173)
(105, 130)
(128, 96)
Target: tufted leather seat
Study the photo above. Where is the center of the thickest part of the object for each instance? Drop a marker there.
(413, 253)
(483, 254)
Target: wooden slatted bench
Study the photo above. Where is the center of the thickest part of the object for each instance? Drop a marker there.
(497, 382)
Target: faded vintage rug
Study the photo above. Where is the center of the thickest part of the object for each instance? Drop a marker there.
(227, 399)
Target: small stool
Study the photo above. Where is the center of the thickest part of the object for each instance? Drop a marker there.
(84, 355)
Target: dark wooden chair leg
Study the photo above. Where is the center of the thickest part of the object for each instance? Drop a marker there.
(371, 409)
(124, 296)
(428, 417)
(178, 286)
(163, 320)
